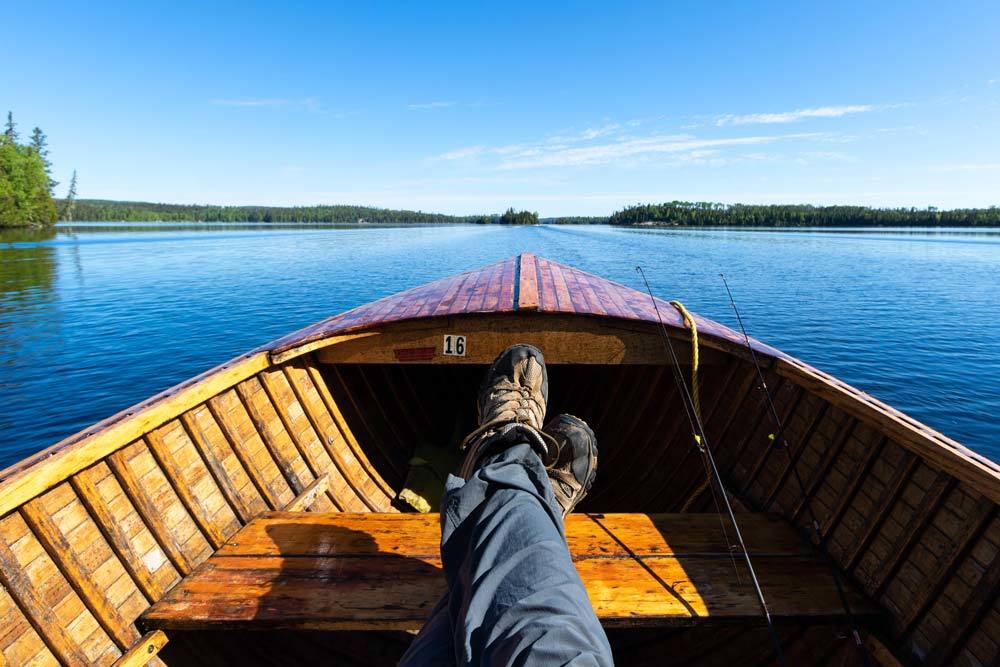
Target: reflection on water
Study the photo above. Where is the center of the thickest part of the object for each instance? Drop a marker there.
(28, 268)
(96, 316)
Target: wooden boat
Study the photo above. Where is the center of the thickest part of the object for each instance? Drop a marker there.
(99, 532)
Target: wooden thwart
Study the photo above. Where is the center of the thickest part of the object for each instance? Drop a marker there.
(304, 500)
(383, 571)
(144, 650)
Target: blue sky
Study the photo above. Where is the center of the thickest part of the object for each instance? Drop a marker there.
(575, 108)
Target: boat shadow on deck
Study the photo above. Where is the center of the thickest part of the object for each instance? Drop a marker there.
(295, 588)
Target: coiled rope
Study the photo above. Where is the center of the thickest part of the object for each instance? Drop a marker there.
(695, 398)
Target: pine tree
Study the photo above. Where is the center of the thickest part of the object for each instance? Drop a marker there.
(41, 145)
(70, 205)
(10, 129)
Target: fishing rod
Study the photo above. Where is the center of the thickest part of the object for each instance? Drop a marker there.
(696, 425)
(782, 442)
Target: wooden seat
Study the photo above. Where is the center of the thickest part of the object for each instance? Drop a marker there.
(383, 571)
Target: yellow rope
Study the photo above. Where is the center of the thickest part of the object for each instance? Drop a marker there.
(695, 393)
(695, 384)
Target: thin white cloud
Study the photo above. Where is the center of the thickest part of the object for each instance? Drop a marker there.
(792, 116)
(587, 135)
(623, 150)
(250, 102)
(594, 132)
(826, 155)
(634, 149)
(462, 153)
(423, 106)
(968, 166)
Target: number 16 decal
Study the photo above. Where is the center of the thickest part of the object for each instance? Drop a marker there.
(454, 346)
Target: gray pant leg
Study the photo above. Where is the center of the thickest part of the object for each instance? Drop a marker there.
(514, 595)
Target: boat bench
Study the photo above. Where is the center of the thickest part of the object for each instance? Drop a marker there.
(383, 572)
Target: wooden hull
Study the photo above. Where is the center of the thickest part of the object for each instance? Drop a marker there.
(100, 526)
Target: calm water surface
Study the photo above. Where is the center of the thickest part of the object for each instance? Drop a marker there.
(94, 318)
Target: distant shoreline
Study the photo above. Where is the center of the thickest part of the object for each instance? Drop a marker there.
(667, 215)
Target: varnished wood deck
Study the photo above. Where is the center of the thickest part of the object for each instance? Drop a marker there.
(526, 284)
(383, 572)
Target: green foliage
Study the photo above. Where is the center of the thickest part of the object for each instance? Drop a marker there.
(41, 145)
(25, 194)
(101, 210)
(24, 191)
(576, 220)
(709, 214)
(10, 129)
(124, 211)
(512, 217)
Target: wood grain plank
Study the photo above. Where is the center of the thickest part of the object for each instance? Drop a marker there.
(350, 460)
(973, 610)
(338, 571)
(829, 457)
(143, 651)
(792, 455)
(308, 497)
(883, 505)
(969, 530)
(81, 577)
(185, 487)
(292, 534)
(282, 593)
(948, 455)
(277, 440)
(855, 479)
(150, 507)
(773, 444)
(304, 435)
(20, 643)
(527, 293)
(125, 530)
(46, 599)
(226, 469)
(911, 533)
(341, 426)
(246, 443)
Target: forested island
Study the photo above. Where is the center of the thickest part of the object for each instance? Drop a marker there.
(710, 214)
(26, 183)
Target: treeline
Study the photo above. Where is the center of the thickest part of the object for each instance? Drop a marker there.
(26, 183)
(709, 214)
(576, 220)
(512, 217)
(101, 210)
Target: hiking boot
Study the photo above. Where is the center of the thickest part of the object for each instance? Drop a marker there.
(511, 406)
(515, 389)
(573, 471)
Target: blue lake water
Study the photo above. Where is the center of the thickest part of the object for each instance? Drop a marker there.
(94, 318)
